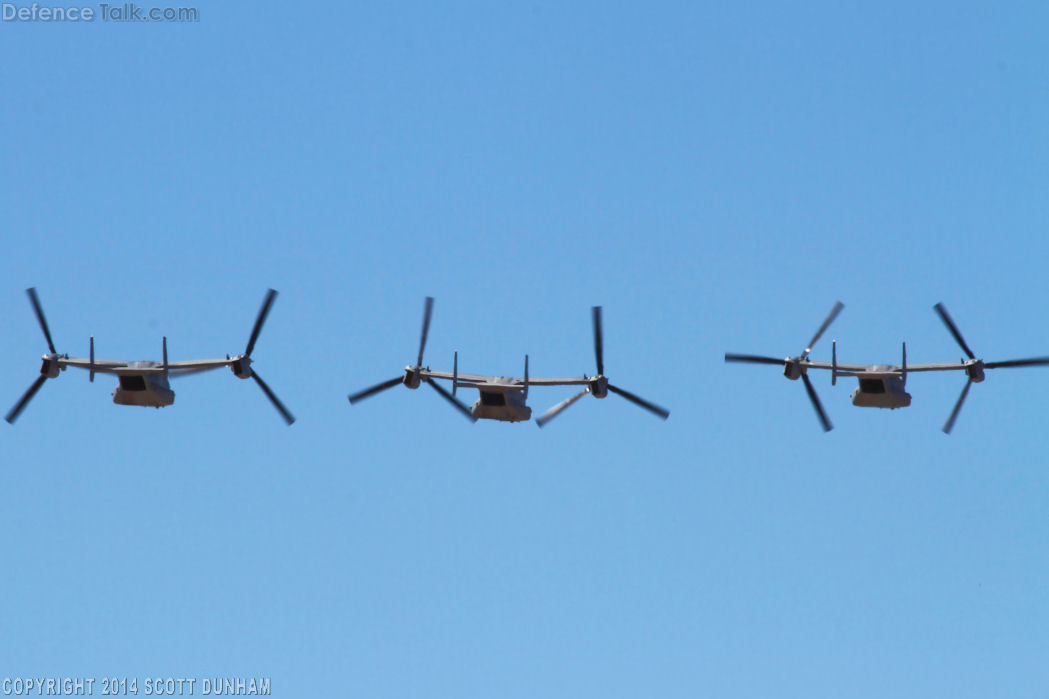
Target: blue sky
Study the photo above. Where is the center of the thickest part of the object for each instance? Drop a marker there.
(715, 176)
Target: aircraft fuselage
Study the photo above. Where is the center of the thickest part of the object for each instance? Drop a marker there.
(149, 390)
(881, 391)
(504, 404)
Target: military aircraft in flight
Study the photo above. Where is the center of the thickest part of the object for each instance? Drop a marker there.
(883, 385)
(503, 397)
(145, 383)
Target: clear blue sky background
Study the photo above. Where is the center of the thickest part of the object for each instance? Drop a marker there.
(716, 175)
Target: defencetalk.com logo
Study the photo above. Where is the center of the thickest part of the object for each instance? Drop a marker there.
(105, 12)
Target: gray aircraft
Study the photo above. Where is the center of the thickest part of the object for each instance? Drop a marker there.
(502, 397)
(145, 383)
(883, 385)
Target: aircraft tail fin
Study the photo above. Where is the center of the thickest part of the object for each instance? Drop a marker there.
(834, 363)
(904, 366)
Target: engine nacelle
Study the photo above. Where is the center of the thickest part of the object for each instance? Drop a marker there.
(411, 377)
(241, 367)
(50, 367)
(792, 369)
(974, 370)
(599, 387)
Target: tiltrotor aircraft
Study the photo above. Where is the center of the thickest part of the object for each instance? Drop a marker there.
(882, 385)
(502, 397)
(145, 383)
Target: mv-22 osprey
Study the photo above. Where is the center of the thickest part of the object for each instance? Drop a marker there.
(883, 385)
(501, 397)
(145, 383)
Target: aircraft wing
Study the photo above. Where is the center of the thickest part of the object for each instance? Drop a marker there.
(842, 368)
(198, 365)
(106, 366)
(575, 381)
(866, 370)
(936, 366)
(111, 366)
(462, 379)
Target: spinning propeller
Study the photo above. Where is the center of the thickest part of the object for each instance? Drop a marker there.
(974, 367)
(242, 363)
(50, 368)
(598, 385)
(412, 376)
(794, 367)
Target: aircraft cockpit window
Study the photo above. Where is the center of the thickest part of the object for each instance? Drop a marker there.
(492, 398)
(133, 383)
(872, 386)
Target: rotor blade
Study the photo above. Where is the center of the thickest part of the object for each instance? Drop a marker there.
(946, 318)
(599, 343)
(827, 427)
(1035, 361)
(288, 417)
(554, 411)
(448, 397)
(28, 396)
(263, 312)
(752, 358)
(377, 388)
(427, 312)
(40, 318)
(651, 407)
(826, 324)
(949, 425)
